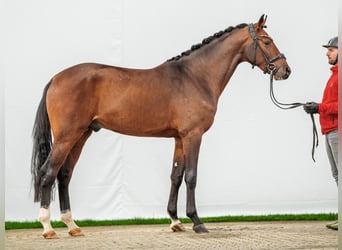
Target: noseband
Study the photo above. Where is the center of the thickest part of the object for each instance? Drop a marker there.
(269, 66)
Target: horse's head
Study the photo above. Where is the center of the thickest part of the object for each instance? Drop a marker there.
(262, 51)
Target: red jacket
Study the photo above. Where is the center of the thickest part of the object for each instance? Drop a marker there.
(328, 108)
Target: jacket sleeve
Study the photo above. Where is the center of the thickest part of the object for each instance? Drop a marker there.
(328, 108)
(329, 104)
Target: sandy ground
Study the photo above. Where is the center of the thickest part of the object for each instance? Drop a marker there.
(237, 235)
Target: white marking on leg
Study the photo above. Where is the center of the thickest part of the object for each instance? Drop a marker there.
(175, 222)
(67, 219)
(44, 218)
(177, 226)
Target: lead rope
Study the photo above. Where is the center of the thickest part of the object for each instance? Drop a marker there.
(292, 106)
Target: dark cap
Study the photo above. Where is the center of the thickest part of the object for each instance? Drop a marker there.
(333, 42)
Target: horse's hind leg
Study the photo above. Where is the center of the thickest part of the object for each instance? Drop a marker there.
(64, 177)
(48, 175)
(176, 180)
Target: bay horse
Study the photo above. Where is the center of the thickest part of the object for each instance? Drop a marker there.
(177, 99)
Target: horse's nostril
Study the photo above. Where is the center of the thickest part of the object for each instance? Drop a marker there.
(288, 70)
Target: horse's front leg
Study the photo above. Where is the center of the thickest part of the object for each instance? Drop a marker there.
(176, 180)
(191, 146)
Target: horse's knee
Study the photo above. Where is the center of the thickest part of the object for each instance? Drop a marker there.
(190, 180)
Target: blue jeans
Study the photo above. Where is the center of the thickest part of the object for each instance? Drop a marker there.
(331, 143)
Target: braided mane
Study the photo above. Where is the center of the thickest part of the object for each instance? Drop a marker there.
(207, 41)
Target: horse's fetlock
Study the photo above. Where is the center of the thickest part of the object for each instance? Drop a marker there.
(172, 212)
(66, 217)
(44, 215)
(43, 218)
(191, 213)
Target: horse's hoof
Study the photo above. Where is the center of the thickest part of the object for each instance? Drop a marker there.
(50, 235)
(76, 232)
(200, 228)
(178, 227)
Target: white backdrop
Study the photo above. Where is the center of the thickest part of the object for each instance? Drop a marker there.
(256, 159)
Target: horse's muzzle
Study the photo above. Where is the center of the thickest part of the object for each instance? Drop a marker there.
(283, 73)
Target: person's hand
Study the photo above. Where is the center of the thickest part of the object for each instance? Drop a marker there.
(311, 107)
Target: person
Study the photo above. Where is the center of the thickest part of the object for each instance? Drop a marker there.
(328, 112)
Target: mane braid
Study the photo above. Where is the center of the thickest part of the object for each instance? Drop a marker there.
(207, 41)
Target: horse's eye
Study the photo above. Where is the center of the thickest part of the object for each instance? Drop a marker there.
(267, 43)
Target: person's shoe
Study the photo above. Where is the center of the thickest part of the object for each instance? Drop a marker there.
(333, 226)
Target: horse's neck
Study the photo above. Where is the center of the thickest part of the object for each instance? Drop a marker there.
(218, 62)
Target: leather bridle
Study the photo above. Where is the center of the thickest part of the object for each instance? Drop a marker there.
(271, 68)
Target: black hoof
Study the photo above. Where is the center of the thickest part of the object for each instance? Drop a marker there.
(200, 228)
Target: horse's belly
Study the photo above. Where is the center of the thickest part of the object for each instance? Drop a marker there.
(138, 125)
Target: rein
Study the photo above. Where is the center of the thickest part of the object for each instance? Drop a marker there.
(293, 105)
(272, 69)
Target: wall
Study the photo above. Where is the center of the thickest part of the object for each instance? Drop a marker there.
(2, 140)
(256, 159)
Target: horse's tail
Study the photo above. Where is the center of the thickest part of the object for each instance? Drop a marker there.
(42, 141)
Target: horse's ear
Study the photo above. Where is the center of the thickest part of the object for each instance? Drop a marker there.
(262, 21)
